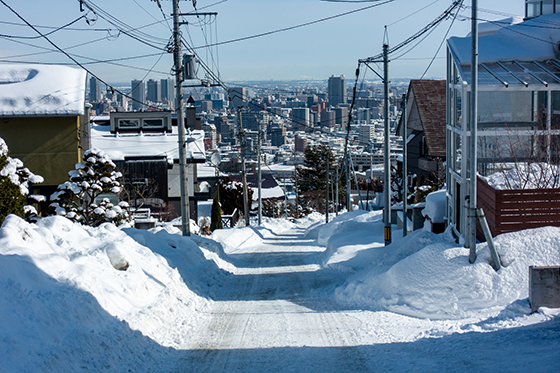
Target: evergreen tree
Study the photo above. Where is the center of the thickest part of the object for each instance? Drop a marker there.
(14, 186)
(312, 176)
(94, 176)
(216, 218)
(231, 195)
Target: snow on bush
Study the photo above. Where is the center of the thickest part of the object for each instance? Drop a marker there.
(526, 176)
(15, 181)
(94, 176)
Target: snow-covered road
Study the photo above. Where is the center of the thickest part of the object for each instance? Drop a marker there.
(271, 307)
(277, 314)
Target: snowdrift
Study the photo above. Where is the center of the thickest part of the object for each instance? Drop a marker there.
(67, 290)
(436, 281)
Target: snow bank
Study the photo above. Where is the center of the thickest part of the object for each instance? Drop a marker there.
(348, 234)
(68, 292)
(436, 280)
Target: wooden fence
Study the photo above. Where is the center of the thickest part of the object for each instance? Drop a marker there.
(511, 210)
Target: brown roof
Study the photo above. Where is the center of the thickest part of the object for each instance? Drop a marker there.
(430, 100)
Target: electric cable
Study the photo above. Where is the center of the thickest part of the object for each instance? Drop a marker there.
(427, 28)
(441, 44)
(47, 34)
(297, 26)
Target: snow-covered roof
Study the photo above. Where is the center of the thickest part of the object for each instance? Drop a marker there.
(534, 39)
(521, 55)
(119, 146)
(41, 90)
(274, 192)
(489, 28)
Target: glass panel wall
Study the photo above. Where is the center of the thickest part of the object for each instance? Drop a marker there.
(547, 7)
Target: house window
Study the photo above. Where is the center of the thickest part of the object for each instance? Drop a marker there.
(129, 123)
(152, 123)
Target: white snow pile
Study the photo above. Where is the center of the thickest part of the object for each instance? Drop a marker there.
(347, 235)
(526, 176)
(428, 276)
(75, 297)
(436, 206)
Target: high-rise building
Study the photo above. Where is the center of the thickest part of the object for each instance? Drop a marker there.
(94, 89)
(337, 90)
(138, 94)
(300, 143)
(278, 136)
(168, 92)
(366, 133)
(154, 90)
(238, 97)
(328, 119)
(341, 116)
(300, 119)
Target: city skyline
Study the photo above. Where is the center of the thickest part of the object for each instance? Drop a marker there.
(312, 52)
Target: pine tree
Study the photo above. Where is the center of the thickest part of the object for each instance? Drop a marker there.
(216, 218)
(312, 178)
(14, 186)
(231, 195)
(94, 176)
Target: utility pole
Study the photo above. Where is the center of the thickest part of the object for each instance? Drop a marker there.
(348, 184)
(387, 183)
(243, 170)
(259, 139)
(336, 197)
(472, 214)
(404, 170)
(183, 173)
(327, 189)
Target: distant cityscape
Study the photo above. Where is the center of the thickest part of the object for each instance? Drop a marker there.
(289, 115)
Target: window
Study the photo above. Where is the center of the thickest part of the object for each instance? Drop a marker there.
(129, 123)
(533, 9)
(547, 7)
(152, 123)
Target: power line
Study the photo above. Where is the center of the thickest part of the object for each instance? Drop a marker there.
(426, 29)
(129, 31)
(47, 34)
(441, 44)
(297, 26)
(413, 13)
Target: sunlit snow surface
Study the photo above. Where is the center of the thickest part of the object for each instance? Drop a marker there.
(303, 296)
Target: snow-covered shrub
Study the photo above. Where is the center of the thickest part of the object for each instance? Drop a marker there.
(14, 186)
(94, 176)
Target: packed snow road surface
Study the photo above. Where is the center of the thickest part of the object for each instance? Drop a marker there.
(269, 308)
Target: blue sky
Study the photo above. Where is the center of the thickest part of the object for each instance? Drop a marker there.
(313, 52)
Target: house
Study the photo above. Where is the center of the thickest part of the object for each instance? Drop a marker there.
(144, 146)
(425, 127)
(518, 104)
(44, 119)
